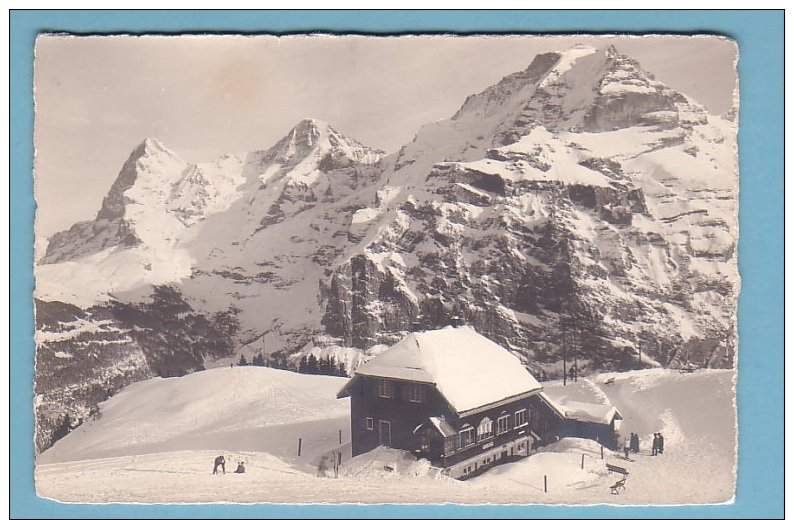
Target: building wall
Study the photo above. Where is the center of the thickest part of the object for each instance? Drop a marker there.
(402, 415)
(481, 445)
(544, 421)
(602, 433)
(481, 462)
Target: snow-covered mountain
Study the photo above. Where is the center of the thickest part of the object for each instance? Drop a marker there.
(579, 186)
(576, 205)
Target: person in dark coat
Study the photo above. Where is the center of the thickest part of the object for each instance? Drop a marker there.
(240, 467)
(635, 443)
(661, 444)
(655, 448)
(220, 462)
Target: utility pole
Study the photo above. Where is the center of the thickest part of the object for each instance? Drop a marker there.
(577, 336)
(564, 361)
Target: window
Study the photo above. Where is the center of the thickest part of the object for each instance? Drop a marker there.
(385, 388)
(466, 436)
(416, 393)
(370, 424)
(502, 424)
(485, 429)
(520, 418)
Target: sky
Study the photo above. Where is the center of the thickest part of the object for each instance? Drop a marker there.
(98, 97)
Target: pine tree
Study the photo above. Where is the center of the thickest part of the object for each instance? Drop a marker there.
(63, 429)
(243, 362)
(311, 364)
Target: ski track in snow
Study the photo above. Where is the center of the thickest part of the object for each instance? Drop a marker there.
(99, 463)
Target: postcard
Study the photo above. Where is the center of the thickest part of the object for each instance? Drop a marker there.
(367, 269)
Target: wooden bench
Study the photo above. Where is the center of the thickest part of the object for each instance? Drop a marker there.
(609, 381)
(618, 469)
(617, 486)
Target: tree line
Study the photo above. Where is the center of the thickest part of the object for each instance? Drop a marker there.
(309, 364)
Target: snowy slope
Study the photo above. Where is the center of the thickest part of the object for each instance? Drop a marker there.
(127, 455)
(224, 408)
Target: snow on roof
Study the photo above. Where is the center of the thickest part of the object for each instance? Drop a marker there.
(468, 369)
(440, 424)
(585, 412)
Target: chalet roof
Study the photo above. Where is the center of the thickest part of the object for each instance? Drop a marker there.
(585, 412)
(468, 369)
(440, 424)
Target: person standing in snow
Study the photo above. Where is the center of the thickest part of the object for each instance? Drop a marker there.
(635, 442)
(627, 447)
(240, 467)
(661, 444)
(655, 447)
(220, 462)
(322, 467)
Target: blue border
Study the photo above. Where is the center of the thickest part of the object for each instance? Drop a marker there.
(760, 35)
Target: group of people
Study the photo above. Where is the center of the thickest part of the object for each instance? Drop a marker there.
(220, 462)
(658, 444)
(632, 444)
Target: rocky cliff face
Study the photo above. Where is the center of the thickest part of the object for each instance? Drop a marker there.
(583, 211)
(577, 206)
(85, 356)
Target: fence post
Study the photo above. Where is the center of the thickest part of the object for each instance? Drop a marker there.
(602, 451)
(582, 460)
(340, 436)
(299, 446)
(545, 485)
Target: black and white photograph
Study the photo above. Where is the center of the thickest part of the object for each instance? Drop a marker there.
(348, 269)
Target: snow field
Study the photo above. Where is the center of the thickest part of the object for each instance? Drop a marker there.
(104, 460)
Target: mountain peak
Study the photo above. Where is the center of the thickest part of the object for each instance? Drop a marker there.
(308, 130)
(153, 144)
(310, 137)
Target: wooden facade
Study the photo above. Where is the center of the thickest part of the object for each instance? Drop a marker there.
(415, 417)
(478, 408)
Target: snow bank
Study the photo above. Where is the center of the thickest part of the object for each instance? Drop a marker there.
(388, 463)
(218, 407)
